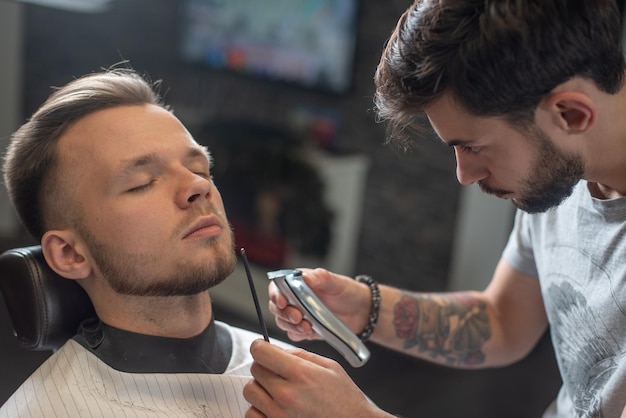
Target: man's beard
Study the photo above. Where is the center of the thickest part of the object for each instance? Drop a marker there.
(553, 177)
(125, 272)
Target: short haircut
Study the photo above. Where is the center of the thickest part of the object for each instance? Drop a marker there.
(31, 164)
(497, 58)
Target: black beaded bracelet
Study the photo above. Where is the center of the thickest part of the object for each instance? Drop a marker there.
(373, 318)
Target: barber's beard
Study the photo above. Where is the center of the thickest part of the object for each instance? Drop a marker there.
(126, 272)
(553, 177)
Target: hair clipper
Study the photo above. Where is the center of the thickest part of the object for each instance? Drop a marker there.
(324, 322)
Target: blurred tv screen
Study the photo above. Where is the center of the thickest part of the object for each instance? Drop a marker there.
(306, 42)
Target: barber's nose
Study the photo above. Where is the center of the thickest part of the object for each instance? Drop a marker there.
(468, 169)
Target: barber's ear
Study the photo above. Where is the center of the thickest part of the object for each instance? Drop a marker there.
(571, 111)
(65, 254)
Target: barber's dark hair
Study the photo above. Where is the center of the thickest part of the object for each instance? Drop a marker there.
(30, 168)
(496, 57)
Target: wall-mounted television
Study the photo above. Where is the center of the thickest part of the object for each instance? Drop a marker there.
(305, 42)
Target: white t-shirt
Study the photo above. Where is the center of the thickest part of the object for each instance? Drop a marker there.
(578, 252)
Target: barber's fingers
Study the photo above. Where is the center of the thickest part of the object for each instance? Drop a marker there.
(260, 400)
(297, 383)
(321, 281)
(302, 331)
(289, 319)
(269, 361)
(285, 363)
(287, 313)
(313, 359)
(344, 297)
(276, 297)
(252, 412)
(324, 282)
(268, 391)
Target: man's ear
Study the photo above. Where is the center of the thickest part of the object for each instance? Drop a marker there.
(65, 254)
(572, 111)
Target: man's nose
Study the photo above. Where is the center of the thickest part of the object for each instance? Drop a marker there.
(193, 187)
(468, 169)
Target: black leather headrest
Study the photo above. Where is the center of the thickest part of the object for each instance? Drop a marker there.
(45, 308)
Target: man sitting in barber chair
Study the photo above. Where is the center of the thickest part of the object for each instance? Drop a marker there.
(121, 198)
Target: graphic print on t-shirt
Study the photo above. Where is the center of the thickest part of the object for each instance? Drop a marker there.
(588, 351)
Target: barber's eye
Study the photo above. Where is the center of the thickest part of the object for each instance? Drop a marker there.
(470, 149)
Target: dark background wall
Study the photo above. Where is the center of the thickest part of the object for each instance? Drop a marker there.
(408, 211)
(411, 200)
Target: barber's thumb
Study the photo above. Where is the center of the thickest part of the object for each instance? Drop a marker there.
(321, 280)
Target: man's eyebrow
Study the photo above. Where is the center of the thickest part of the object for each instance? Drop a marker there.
(128, 166)
(201, 152)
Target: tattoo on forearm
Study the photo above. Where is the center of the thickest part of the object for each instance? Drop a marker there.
(452, 328)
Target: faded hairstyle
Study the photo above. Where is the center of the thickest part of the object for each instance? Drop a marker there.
(496, 57)
(31, 165)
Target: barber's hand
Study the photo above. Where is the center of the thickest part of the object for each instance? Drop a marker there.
(296, 383)
(349, 300)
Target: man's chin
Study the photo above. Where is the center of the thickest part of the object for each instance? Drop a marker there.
(533, 207)
(529, 206)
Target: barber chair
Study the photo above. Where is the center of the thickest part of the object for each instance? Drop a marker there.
(45, 309)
